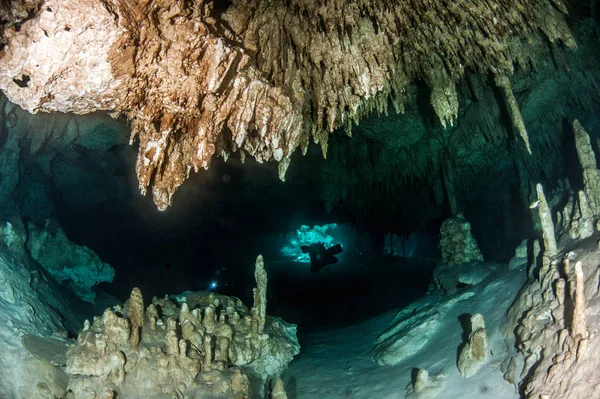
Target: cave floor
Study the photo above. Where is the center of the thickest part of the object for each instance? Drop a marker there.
(336, 363)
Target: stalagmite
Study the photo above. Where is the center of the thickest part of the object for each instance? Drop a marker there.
(182, 348)
(172, 342)
(136, 315)
(208, 352)
(550, 249)
(579, 323)
(586, 225)
(587, 160)
(278, 391)
(535, 260)
(259, 310)
(474, 353)
(117, 372)
(152, 313)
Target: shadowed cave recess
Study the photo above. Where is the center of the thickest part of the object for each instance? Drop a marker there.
(450, 151)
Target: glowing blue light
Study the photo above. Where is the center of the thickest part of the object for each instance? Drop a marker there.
(328, 234)
(213, 285)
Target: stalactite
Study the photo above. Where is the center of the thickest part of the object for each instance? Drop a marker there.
(263, 77)
(503, 82)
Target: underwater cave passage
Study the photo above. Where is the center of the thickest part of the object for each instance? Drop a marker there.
(279, 248)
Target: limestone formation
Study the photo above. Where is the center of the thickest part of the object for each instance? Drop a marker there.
(457, 243)
(549, 319)
(136, 315)
(546, 221)
(424, 386)
(66, 261)
(13, 235)
(537, 251)
(450, 279)
(259, 78)
(278, 390)
(474, 353)
(34, 321)
(580, 214)
(259, 310)
(579, 327)
(577, 218)
(587, 160)
(179, 350)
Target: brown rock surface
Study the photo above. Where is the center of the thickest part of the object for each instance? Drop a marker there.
(259, 77)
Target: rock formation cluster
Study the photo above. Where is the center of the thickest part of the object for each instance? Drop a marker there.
(197, 81)
(550, 317)
(203, 345)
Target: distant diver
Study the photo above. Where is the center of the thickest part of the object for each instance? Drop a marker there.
(320, 256)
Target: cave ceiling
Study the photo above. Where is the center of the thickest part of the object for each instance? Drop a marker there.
(414, 103)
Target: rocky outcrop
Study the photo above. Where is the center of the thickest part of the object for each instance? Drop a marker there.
(550, 319)
(204, 344)
(35, 321)
(412, 328)
(260, 78)
(75, 265)
(521, 257)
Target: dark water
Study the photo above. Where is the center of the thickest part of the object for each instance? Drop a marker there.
(346, 293)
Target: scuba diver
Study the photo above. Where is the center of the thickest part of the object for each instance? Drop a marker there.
(321, 257)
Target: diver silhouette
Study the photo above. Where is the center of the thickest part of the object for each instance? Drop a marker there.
(321, 256)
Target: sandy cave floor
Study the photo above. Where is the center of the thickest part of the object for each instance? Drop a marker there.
(335, 363)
